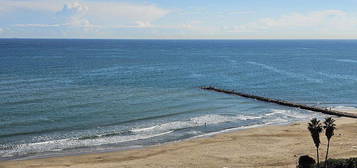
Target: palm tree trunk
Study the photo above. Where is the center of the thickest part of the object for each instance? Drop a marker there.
(328, 147)
(318, 157)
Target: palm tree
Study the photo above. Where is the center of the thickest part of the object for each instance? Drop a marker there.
(329, 127)
(315, 129)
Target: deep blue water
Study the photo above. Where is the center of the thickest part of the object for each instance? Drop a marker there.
(72, 96)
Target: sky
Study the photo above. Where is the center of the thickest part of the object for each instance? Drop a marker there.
(179, 19)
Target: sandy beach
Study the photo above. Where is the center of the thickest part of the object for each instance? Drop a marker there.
(270, 146)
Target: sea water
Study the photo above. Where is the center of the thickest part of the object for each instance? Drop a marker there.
(60, 97)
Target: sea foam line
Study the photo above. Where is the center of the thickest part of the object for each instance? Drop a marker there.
(64, 144)
(283, 72)
(347, 60)
(204, 120)
(274, 117)
(338, 76)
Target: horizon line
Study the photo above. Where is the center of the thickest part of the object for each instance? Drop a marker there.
(24, 38)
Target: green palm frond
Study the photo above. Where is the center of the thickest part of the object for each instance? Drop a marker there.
(315, 128)
(329, 127)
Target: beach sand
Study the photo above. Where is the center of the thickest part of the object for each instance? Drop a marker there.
(270, 146)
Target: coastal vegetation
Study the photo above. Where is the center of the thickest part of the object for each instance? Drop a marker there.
(342, 163)
(315, 128)
(329, 127)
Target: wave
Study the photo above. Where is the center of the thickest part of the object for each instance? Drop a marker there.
(118, 69)
(275, 116)
(204, 120)
(63, 144)
(347, 60)
(25, 101)
(164, 115)
(287, 113)
(48, 130)
(229, 130)
(117, 137)
(23, 122)
(25, 81)
(345, 108)
(106, 71)
(338, 76)
(292, 114)
(287, 73)
(196, 75)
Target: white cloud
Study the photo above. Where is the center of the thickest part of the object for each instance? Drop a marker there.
(73, 14)
(112, 14)
(84, 13)
(241, 12)
(39, 5)
(73, 10)
(119, 11)
(326, 21)
(140, 24)
(38, 25)
(145, 24)
(1, 30)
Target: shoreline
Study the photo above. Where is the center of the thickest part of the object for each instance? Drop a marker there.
(265, 146)
(114, 148)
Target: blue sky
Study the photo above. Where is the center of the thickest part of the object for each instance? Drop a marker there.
(179, 19)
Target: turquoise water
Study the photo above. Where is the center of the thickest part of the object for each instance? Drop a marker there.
(61, 97)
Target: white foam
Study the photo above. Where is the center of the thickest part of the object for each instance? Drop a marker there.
(346, 109)
(210, 119)
(279, 116)
(105, 71)
(228, 130)
(278, 120)
(289, 113)
(59, 145)
(196, 75)
(279, 111)
(347, 60)
(143, 129)
(276, 116)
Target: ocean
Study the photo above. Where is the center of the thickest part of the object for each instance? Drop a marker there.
(71, 96)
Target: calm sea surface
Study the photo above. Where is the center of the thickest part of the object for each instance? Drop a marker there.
(61, 97)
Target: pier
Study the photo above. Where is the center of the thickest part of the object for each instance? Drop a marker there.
(282, 102)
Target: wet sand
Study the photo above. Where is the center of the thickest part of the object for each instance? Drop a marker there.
(269, 146)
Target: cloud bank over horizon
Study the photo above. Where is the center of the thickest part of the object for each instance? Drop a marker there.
(186, 20)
